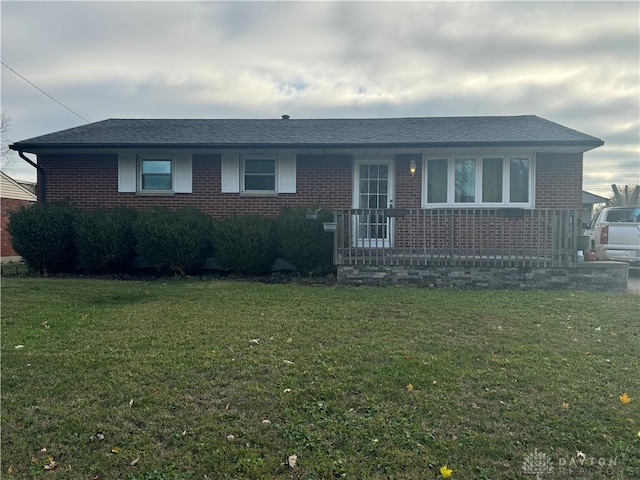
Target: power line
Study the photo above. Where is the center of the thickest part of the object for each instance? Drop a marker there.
(42, 91)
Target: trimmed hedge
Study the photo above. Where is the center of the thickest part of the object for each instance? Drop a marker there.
(245, 244)
(105, 239)
(42, 234)
(54, 237)
(174, 241)
(303, 242)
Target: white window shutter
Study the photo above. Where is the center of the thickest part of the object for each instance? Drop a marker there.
(126, 172)
(230, 167)
(183, 173)
(287, 173)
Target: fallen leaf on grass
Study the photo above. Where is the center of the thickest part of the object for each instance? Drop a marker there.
(565, 405)
(115, 450)
(409, 388)
(625, 398)
(445, 471)
(51, 464)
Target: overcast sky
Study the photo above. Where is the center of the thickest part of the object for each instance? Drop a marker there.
(573, 63)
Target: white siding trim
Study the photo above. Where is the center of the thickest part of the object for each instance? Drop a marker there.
(9, 188)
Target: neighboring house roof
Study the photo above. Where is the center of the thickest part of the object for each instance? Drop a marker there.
(429, 132)
(9, 188)
(592, 199)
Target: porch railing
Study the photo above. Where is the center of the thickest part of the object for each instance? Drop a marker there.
(446, 237)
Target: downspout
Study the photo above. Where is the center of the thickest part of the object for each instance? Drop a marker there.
(43, 183)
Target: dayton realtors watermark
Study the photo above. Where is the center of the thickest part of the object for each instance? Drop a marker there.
(583, 466)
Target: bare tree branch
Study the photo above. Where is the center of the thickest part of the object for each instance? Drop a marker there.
(7, 159)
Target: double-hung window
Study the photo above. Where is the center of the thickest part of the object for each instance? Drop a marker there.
(156, 174)
(484, 180)
(259, 175)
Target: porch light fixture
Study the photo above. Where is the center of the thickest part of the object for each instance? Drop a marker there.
(412, 167)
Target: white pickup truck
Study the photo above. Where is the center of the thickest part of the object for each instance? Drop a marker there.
(614, 234)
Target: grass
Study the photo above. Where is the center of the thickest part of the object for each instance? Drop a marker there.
(149, 380)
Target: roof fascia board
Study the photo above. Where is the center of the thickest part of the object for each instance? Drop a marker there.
(37, 147)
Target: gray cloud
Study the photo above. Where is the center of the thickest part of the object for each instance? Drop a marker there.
(573, 63)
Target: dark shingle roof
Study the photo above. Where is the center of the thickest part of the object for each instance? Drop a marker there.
(372, 132)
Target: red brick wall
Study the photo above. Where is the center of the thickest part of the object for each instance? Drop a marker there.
(408, 188)
(7, 205)
(91, 182)
(559, 180)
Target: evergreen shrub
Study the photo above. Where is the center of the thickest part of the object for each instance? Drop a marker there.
(105, 239)
(303, 242)
(42, 234)
(245, 244)
(174, 241)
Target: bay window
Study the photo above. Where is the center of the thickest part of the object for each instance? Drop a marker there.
(486, 180)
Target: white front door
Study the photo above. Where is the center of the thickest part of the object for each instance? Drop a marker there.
(373, 190)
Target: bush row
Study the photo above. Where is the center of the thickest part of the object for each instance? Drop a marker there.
(57, 237)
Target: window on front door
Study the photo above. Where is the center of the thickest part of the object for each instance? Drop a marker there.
(374, 186)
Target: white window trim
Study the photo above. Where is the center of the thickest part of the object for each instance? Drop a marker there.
(142, 158)
(243, 190)
(479, 175)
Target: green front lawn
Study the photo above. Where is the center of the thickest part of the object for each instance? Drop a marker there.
(195, 379)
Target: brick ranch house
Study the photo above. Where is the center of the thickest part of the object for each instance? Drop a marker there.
(486, 191)
(14, 195)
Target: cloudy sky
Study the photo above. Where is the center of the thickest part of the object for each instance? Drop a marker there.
(573, 63)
